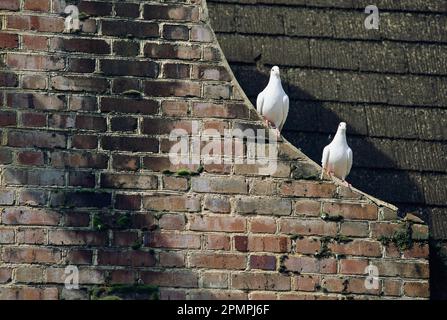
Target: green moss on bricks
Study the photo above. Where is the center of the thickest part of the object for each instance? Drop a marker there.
(183, 172)
(123, 221)
(98, 224)
(401, 238)
(137, 245)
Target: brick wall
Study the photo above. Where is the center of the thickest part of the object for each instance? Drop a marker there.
(86, 180)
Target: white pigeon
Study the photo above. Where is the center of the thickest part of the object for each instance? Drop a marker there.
(273, 103)
(337, 156)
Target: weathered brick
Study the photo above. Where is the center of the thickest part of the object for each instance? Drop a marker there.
(172, 240)
(268, 244)
(265, 206)
(223, 224)
(263, 262)
(260, 281)
(352, 211)
(219, 185)
(176, 279)
(128, 106)
(86, 238)
(218, 261)
(357, 248)
(308, 189)
(126, 258)
(310, 265)
(124, 28)
(172, 203)
(217, 242)
(31, 255)
(263, 225)
(308, 227)
(417, 289)
(128, 181)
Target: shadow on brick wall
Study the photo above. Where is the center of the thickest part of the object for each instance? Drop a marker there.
(304, 130)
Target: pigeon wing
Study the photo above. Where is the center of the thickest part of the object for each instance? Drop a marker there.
(349, 162)
(285, 111)
(260, 102)
(325, 160)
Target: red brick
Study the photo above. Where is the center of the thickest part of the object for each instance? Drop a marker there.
(212, 223)
(218, 261)
(78, 237)
(307, 208)
(95, 8)
(217, 242)
(353, 266)
(9, 40)
(131, 10)
(79, 84)
(172, 222)
(175, 183)
(126, 258)
(32, 197)
(127, 67)
(119, 105)
(128, 181)
(35, 101)
(30, 255)
(79, 256)
(31, 119)
(392, 287)
(79, 160)
(28, 216)
(123, 276)
(6, 235)
(127, 124)
(5, 275)
(357, 248)
(128, 201)
(80, 45)
(241, 243)
(136, 144)
(34, 82)
(306, 283)
(177, 279)
(352, 210)
(201, 34)
(176, 71)
(260, 281)
(175, 32)
(308, 227)
(172, 51)
(125, 238)
(172, 240)
(170, 12)
(263, 225)
(310, 265)
(28, 293)
(418, 251)
(410, 269)
(13, 5)
(308, 189)
(348, 285)
(215, 280)
(81, 65)
(163, 126)
(8, 79)
(143, 30)
(37, 5)
(307, 245)
(8, 119)
(171, 88)
(268, 244)
(84, 142)
(34, 62)
(174, 108)
(125, 162)
(354, 229)
(172, 259)
(32, 236)
(263, 262)
(172, 203)
(30, 158)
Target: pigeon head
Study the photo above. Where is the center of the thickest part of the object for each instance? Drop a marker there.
(342, 127)
(275, 71)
